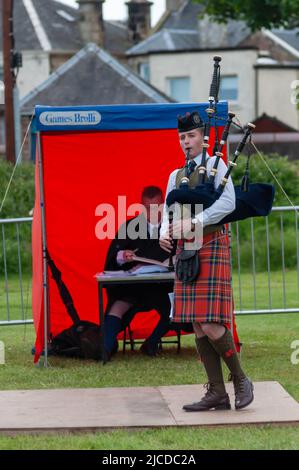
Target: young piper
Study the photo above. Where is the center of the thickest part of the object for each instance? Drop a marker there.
(207, 301)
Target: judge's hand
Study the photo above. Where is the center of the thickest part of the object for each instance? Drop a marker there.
(166, 243)
(128, 255)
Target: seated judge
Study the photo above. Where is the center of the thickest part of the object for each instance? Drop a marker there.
(125, 301)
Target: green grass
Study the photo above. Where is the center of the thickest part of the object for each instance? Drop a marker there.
(246, 300)
(15, 295)
(266, 356)
(192, 438)
(247, 281)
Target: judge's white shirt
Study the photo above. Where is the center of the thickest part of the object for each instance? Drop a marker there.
(219, 209)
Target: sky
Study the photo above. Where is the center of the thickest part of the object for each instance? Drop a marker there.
(117, 9)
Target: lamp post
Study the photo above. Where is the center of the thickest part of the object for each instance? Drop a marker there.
(11, 60)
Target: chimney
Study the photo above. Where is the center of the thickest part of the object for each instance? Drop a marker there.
(139, 19)
(174, 5)
(91, 21)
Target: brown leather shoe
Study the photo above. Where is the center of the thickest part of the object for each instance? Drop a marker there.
(243, 391)
(211, 400)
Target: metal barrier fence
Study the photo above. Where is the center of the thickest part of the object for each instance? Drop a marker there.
(267, 290)
(258, 288)
(15, 284)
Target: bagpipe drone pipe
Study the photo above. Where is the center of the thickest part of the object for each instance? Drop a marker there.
(252, 199)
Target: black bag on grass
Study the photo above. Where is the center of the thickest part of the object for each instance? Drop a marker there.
(81, 341)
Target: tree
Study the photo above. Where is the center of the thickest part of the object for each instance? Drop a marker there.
(256, 14)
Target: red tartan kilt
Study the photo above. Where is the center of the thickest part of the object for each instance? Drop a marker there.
(209, 298)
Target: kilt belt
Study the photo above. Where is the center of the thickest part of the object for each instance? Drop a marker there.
(212, 228)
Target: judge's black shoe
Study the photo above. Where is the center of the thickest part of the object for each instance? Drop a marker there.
(243, 391)
(212, 400)
(149, 349)
(106, 357)
(115, 349)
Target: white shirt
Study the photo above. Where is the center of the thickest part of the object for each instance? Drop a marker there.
(217, 211)
(151, 228)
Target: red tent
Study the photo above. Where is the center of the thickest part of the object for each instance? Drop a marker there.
(89, 156)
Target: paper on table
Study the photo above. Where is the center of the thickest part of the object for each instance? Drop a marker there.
(139, 269)
(150, 268)
(112, 273)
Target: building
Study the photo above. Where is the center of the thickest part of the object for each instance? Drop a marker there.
(48, 33)
(90, 77)
(259, 70)
(271, 136)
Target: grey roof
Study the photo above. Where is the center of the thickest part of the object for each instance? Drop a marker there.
(62, 33)
(290, 36)
(61, 25)
(116, 38)
(184, 18)
(92, 77)
(166, 40)
(183, 30)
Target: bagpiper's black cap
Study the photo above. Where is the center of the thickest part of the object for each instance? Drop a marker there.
(189, 122)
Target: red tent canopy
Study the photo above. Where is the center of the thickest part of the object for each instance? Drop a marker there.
(90, 156)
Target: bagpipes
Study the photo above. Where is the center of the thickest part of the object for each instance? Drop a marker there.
(252, 199)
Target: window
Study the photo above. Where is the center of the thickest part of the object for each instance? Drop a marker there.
(229, 88)
(144, 71)
(179, 88)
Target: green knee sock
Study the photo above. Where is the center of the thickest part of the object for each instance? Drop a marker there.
(212, 363)
(225, 347)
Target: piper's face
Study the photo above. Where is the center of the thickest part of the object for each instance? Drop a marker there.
(192, 141)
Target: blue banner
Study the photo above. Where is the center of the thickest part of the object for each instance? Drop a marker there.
(119, 117)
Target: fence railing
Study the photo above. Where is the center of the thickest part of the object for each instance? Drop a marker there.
(15, 271)
(266, 280)
(265, 261)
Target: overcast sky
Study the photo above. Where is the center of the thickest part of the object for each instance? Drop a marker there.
(117, 9)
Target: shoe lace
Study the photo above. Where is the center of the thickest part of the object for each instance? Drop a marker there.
(209, 388)
(239, 383)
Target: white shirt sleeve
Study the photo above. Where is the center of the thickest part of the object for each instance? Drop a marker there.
(120, 258)
(227, 201)
(170, 187)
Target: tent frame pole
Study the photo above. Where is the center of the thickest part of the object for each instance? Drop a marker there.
(44, 247)
(230, 256)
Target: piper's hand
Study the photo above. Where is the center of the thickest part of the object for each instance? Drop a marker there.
(182, 228)
(166, 243)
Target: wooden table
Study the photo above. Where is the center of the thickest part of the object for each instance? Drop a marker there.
(105, 280)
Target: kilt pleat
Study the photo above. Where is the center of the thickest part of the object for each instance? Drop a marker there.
(209, 298)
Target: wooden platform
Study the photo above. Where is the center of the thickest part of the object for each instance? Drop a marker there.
(107, 408)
